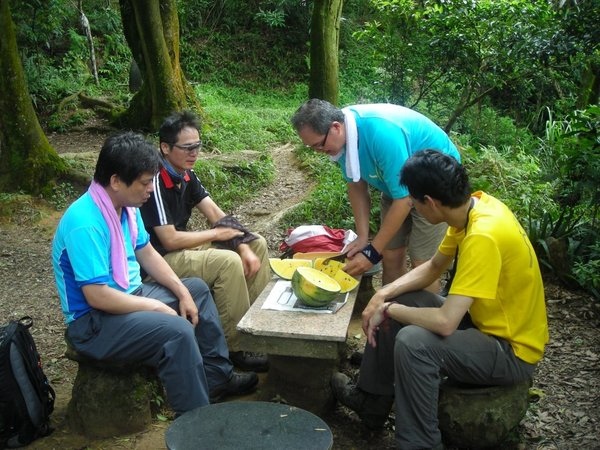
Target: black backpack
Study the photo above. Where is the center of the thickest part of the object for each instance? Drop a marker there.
(26, 397)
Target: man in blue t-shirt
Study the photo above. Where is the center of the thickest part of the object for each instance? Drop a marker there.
(371, 143)
(169, 324)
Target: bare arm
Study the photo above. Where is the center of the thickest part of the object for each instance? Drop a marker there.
(213, 213)
(161, 272)
(443, 321)
(393, 220)
(172, 239)
(360, 200)
(418, 278)
(104, 298)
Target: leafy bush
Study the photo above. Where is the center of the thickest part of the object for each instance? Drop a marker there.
(570, 153)
(244, 44)
(487, 127)
(63, 194)
(55, 56)
(587, 274)
(510, 174)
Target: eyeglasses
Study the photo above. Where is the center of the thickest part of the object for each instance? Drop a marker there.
(320, 145)
(190, 148)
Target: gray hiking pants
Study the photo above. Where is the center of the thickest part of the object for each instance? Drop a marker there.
(190, 361)
(410, 361)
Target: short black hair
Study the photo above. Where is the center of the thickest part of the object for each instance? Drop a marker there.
(316, 114)
(127, 155)
(172, 126)
(438, 175)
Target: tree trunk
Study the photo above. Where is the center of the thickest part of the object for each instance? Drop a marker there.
(589, 90)
(27, 161)
(151, 28)
(468, 99)
(324, 47)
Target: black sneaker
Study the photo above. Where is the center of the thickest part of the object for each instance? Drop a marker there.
(240, 383)
(372, 409)
(256, 362)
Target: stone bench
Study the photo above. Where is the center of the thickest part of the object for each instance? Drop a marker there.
(238, 425)
(304, 351)
(110, 398)
(480, 417)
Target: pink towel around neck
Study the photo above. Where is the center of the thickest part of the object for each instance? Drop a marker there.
(118, 256)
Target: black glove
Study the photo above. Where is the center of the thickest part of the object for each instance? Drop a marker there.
(232, 244)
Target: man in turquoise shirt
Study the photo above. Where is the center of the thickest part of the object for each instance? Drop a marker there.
(169, 324)
(371, 143)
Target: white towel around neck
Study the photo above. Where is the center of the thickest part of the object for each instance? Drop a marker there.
(352, 163)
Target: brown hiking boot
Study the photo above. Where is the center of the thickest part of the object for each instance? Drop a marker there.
(372, 409)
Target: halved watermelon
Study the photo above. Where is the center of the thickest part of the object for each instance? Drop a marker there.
(314, 288)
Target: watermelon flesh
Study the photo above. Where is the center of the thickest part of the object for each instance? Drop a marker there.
(314, 288)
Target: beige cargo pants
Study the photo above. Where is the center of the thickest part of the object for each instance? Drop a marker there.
(223, 272)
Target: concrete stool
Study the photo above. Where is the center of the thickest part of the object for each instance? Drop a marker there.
(479, 417)
(110, 399)
(248, 425)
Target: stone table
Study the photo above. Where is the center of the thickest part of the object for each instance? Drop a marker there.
(303, 348)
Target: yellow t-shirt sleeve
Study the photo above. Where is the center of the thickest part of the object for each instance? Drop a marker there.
(478, 270)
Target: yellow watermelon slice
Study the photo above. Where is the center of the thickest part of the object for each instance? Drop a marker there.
(334, 270)
(347, 282)
(285, 268)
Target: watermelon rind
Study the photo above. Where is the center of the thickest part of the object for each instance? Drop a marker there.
(314, 288)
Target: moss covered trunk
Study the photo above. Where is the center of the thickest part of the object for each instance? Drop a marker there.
(27, 161)
(324, 46)
(151, 28)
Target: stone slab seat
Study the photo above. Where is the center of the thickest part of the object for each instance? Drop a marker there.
(480, 416)
(110, 398)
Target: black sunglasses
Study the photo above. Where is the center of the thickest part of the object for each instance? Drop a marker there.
(190, 148)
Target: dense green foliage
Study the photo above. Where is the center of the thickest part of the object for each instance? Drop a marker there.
(518, 55)
(505, 75)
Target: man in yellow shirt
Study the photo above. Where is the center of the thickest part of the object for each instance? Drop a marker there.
(490, 330)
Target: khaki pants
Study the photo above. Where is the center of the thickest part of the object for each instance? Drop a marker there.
(223, 272)
(420, 237)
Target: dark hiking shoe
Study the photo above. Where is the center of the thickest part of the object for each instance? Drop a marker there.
(256, 362)
(240, 383)
(372, 409)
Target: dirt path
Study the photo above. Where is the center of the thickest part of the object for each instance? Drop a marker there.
(290, 187)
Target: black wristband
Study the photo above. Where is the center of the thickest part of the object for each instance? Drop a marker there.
(371, 254)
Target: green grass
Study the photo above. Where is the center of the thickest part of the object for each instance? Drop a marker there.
(238, 120)
(231, 184)
(234, 121)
